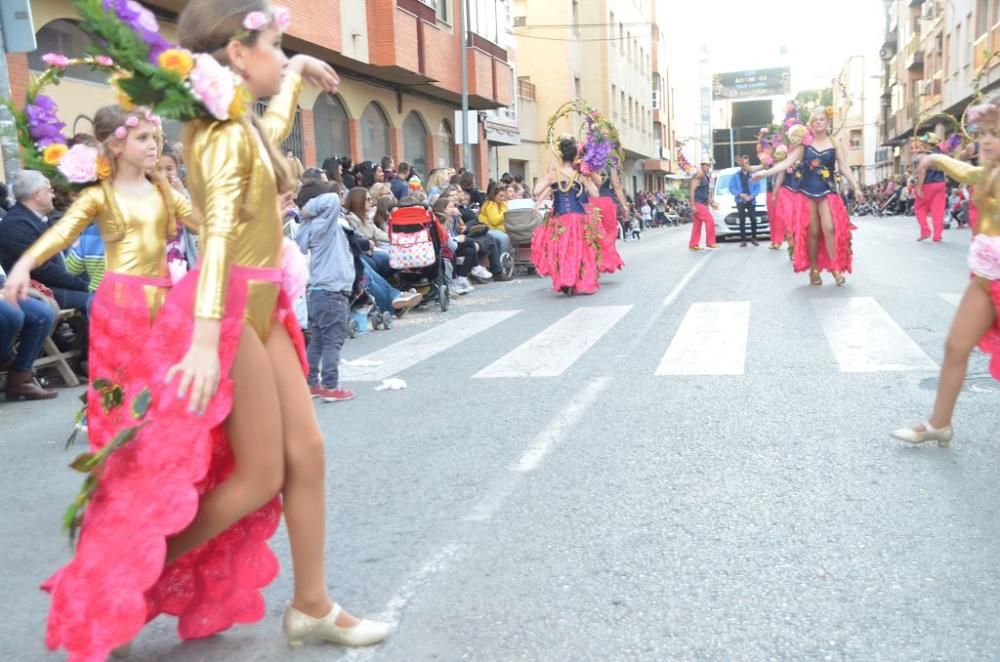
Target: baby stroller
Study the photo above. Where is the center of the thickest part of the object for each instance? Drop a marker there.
(364, 310)
(520, 222)
(415, 253)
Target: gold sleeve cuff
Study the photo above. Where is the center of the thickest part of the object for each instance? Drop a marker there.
(223, 157)
(183, 211)
(61, 236)
(280, 114)
(960, 171)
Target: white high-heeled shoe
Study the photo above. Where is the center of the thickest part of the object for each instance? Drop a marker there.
(300, 628)
(941, 435)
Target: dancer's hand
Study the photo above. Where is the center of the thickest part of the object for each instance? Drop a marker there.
(859, 195)
(18, 283)
(315, 72)
(757, 176)
(199, 370)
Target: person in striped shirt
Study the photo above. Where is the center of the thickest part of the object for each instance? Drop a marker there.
(86, 257)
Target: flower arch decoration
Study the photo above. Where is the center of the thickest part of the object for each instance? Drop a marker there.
(690, 151)
(600, 144)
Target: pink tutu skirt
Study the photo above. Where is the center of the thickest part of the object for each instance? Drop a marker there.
(843, 253)
(610, 260)
(567, 248)
(150, 489)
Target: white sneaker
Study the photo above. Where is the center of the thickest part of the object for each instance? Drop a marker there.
(407, 300)
(458, 287)
(467, 285)
(480, 272)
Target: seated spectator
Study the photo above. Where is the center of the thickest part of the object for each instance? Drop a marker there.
(437, 182)
(86, 257)
(492, 214)
(401, 182)
(368, 174)
(383, 207)
(388, 167)
(314, 173)
(31, 320)
(23, 225)
(382, 190)
(358, 209)
(464, 252)
(468, 183)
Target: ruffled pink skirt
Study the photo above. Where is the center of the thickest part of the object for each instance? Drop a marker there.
(843, 253)
(610, 260)
(150, 490)
(789, 208)
(567, 248)
(990, 342)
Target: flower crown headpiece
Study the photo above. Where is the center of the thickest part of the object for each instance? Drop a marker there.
(983, 117)
(40, 132)
(174, 82)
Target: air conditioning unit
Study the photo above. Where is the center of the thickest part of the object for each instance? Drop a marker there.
(927, 11)
(520, 21)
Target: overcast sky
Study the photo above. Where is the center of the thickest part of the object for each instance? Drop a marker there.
(819, 35)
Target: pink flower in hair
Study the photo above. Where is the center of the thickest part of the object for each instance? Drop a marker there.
(121, 133)
(57, 60)
(255, 20)
(213, 85)
(984, 256)
(132, 122)
(282, 18)
(152, 119)
(79, 164)
(104, 61)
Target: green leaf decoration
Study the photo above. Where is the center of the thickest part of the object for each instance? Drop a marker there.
(101, 384)
(141, 404)
(84, 463)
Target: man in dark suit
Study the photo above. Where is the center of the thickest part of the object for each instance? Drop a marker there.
(23, 224)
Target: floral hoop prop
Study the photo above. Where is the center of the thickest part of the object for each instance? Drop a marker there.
(600, 144)
(685, 164)
(926, 140)
(40, 132)
(174, 82)
(967, 121)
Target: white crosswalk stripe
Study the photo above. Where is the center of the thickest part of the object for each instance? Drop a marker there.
(865, 338)
(711, 340)
(407, 353)
(952, 298)
(554, 350)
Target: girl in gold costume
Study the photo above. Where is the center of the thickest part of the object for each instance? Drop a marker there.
(976, 321)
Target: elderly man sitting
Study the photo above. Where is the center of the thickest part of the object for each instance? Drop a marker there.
(23, 224)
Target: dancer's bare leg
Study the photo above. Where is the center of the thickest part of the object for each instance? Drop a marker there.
(254, 429)
(974, 317)
(304, 492)
(813, 236)
(826, 224)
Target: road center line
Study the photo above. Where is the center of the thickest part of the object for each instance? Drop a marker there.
(676, 292)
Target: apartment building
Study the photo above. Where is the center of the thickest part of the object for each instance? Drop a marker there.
(933, 52)
(398, 61)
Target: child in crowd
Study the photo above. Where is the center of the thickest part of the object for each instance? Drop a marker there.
(333, 281)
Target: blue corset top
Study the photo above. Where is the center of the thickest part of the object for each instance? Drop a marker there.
(569, 202)
(817, 171)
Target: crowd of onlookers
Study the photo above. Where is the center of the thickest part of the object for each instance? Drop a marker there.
(896, 196)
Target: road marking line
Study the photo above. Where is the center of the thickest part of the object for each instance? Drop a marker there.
(407, 353)
(953, 299)
(553, 433)
(397, 603)
(865, 338)
(559, 426)
(554, 350)
(711, 340)
(674, 293)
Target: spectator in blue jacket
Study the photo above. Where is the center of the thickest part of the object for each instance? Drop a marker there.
(744, 191)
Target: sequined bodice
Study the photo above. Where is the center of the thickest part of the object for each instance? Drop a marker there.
(815, 175)
(569, 202)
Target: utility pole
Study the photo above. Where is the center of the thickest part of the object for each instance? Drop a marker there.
(466, 147)
(8, 133)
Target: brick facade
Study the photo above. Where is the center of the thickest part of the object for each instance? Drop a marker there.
(17, 67)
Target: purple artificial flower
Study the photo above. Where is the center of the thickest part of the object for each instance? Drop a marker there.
(142, 22)
(43, 123)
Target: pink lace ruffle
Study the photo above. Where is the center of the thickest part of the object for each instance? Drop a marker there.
(843, 256)
(566, 248)
(149, 491)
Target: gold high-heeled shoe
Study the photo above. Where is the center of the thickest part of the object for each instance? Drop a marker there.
(814, 277)
(942, 436)
(300, 628)
(839, 279)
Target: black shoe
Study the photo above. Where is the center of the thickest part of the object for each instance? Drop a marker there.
(743, 245)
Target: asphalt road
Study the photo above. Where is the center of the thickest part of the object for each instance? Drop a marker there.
(691, 464)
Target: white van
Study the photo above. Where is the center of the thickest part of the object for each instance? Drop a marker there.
(727, 218)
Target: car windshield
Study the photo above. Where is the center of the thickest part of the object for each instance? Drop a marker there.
(722, 183)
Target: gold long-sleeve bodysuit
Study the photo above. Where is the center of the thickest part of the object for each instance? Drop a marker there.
(987, 200)
(135, 242)
(233, 186)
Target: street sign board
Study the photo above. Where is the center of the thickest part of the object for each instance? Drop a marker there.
(752, 83)
(18, 29)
